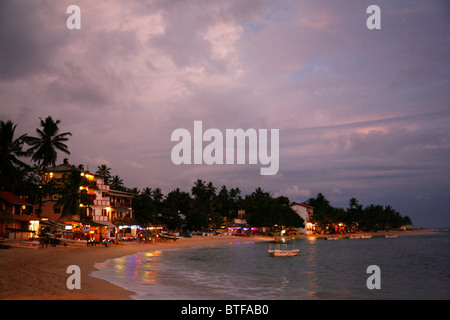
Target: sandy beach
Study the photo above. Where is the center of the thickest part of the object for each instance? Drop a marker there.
(33, 274)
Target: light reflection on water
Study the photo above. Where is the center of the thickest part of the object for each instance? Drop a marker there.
(412, 267)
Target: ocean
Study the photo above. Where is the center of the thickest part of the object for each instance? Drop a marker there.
(410, 267)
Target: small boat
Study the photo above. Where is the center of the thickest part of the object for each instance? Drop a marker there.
(20, 244)
(280, 249)
(390, 235)
(366, 236)
(168, 237)
(332, 238)
(354, 237)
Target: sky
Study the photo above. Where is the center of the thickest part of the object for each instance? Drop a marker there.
(361, 112)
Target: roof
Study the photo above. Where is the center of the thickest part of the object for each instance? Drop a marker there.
(12, 198)
(122, 209)
(113, 192)
(61, 168)
(303, 205)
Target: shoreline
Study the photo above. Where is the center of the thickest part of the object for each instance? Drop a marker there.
(371, 233)
(40, 274)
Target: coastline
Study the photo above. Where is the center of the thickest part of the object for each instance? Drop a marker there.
(40, 274)
(371, 233)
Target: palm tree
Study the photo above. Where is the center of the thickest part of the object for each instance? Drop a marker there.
(72, 197)
(354, 213)
(44, 146)
(10, 151)
(116, 183)
(353, 203)
(157, 195)
(105, 172)
(199, 188)
(147, 191)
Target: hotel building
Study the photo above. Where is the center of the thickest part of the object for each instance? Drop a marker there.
(109, 209)
(306, 212)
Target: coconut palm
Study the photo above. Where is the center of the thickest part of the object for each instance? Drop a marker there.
(105, 172)
(157, 195)
(147, 191)
(116, 183)
(10, 151)
(48, 141)
(353, 203)
(199, 189)
(72, 195)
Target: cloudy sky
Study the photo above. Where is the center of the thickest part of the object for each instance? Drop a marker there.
(362, 113)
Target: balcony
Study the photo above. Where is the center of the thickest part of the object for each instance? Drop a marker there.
(103, 187)
(121, 203)
(99, 218)
(104, 203)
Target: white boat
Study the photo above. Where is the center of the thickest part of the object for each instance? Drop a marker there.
(281, 250)
(390, 235)
(354, 237)
(332, 238)
(366, 236)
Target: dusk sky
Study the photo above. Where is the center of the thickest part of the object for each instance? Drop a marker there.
(362, 113)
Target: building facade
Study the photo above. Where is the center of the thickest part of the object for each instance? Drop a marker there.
(99, 220)
(16, 221)
(306, 212)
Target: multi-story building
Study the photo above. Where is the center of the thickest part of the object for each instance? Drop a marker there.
(96, 220)
(120, 210)
(16, 221)
(306, 212)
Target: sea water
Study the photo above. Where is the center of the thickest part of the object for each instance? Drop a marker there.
(411, 267)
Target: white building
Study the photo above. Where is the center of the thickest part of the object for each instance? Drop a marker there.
(306, 212)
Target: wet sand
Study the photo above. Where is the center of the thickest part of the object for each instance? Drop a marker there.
(32, 274)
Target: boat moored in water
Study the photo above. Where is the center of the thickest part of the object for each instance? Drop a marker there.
(280, 249)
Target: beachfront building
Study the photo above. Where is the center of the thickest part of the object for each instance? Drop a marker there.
(121, 214)
(47, 209)
(240, 225)
(16, 221)
(92, 222)
(120, 210)
(241, 219)
(306, 212)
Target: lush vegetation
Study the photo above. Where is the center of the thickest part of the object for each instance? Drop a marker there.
(25, 179)
(205, 207)
(355, 217)
(20, 177)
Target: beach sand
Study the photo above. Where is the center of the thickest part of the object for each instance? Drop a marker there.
(41, 274)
